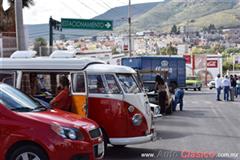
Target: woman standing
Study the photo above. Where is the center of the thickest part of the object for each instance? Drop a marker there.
(160, 88)
(238, 86)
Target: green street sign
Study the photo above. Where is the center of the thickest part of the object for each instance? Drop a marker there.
(89, 24)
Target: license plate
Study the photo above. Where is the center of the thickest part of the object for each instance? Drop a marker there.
(100, 148)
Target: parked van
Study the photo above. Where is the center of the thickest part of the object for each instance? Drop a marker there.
(109, 94)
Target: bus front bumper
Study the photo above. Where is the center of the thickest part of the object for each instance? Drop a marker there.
(134, 140)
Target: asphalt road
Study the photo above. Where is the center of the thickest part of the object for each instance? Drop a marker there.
(205, 129)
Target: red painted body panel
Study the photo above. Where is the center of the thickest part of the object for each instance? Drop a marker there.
(113, 116)
(35, 127)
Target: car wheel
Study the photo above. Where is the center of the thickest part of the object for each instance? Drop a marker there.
(199, 88)
(28, 152)
(195, 89)
(186, 89)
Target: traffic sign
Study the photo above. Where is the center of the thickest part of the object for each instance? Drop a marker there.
(89, 24)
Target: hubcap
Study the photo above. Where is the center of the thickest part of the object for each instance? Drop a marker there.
(27, 156)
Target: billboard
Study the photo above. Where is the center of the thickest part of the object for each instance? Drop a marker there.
(212, 64)
(187, 59)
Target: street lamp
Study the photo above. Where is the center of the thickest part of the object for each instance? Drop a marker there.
(129, 28)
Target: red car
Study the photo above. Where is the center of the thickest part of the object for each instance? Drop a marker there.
(30, 131)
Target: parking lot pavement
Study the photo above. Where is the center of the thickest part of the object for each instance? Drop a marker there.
(206, 126)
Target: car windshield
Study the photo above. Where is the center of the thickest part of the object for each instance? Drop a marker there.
(128, 83)
(15, 100)
(191, 78)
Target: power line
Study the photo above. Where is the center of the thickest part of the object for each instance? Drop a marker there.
(71, 9)
(117, 13)
(87, 7)
(100, 4)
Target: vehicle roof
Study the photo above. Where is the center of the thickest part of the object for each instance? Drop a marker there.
(46, 63)
(157, 56)
(107, 68)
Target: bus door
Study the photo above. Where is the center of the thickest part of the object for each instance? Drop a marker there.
(106, 105)
(79, 93)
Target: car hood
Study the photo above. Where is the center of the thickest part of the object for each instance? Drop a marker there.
(66, 119)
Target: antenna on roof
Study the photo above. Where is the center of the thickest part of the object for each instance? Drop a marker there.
(23, 54)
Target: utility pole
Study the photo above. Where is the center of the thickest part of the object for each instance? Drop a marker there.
(129, 29)
(21, 44)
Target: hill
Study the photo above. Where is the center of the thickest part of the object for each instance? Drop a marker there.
(191, 13)
(119, 15)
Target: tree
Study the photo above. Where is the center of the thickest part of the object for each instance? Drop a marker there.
(169, 50)
(39, 42)
(174, 29)
(7, 18)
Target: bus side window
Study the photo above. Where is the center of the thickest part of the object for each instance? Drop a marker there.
(96, 85)
(7, 78)
(78, 83)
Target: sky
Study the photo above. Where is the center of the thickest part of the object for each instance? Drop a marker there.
(43, 9)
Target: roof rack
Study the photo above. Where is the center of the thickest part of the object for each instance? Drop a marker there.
(62, 54)
(23, 54)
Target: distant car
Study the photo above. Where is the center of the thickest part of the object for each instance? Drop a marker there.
(153, 97)
(194, 83)
(29, 130)
(211, 84)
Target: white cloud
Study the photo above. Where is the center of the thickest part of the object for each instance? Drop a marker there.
(43, 9)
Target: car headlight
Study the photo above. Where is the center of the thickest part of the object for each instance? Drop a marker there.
(137, 119)
(67, 133)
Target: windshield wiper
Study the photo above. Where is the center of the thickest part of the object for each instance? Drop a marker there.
(40, 108)
(22, 109)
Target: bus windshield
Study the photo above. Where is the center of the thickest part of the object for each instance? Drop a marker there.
(128, 83)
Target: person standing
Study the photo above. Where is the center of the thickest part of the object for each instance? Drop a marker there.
(226, 87)
(238, 86)
(160, 88)
(179, 94)
(218, 86)
(233, 87)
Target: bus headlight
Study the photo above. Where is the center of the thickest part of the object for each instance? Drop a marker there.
(137, 119)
